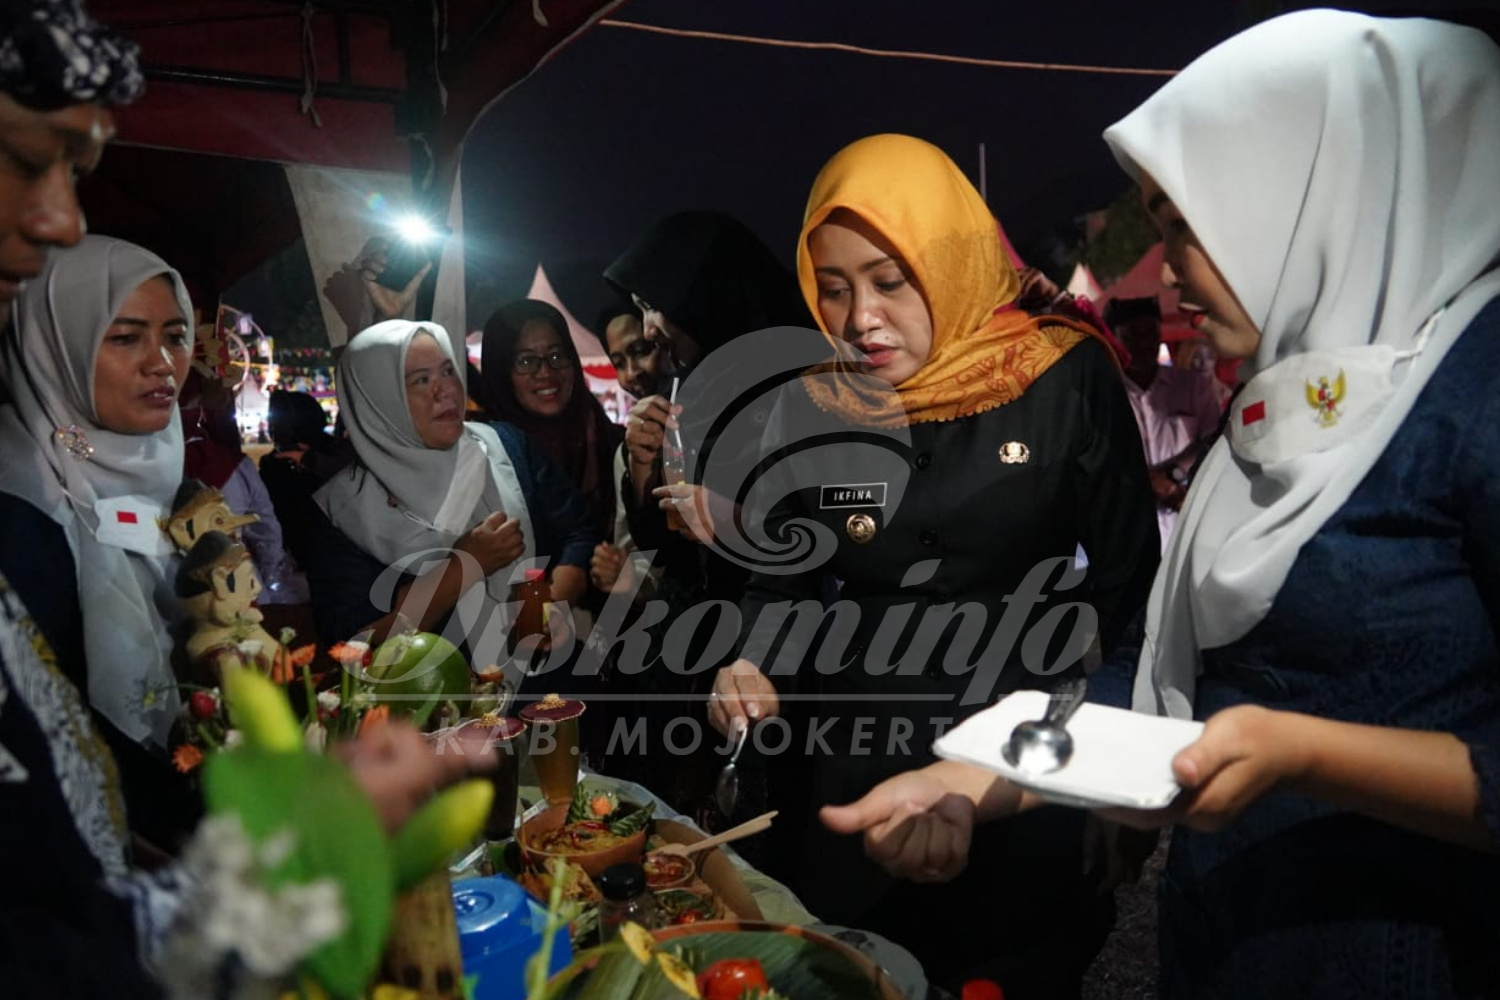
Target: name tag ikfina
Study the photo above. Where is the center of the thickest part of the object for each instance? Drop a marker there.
(851, 495)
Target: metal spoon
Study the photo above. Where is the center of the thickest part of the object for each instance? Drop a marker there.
(1044, 746)
(727, 792)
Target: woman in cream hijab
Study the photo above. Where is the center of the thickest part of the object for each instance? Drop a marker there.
(92, 452)
(1326, 186)
(426, 484)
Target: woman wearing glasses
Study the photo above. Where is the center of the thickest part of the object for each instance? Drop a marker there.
(533, 380)
(425, 481)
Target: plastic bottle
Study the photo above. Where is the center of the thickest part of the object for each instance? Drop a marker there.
(532, 618)
(626, 898)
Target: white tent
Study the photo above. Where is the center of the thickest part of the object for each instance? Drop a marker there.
(590, 349)
(1083, 283)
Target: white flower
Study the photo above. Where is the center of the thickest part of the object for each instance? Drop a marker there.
(229, 911)
(277, 849)
(233, 738)
(328, 701)
(249, 648)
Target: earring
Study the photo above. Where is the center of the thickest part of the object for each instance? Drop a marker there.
(75, 442)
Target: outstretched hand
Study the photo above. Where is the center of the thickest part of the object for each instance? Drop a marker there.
(914, 826)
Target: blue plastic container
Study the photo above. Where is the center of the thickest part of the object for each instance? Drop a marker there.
(499, 929)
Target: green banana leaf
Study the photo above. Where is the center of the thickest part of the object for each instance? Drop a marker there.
(795, 966)
(337, 836)
(633, 822)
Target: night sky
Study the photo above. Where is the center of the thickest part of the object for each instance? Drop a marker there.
(622, 127)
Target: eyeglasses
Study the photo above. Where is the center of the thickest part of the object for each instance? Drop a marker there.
(530, 364)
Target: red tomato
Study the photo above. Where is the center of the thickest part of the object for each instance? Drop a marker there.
(732, 978)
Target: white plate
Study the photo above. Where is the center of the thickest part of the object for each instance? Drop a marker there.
(1120, 758)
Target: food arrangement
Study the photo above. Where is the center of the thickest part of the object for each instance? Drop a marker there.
(723, 961)
(691, 905)
(668, 871)
(591, 833)
(598, 830)
(595, 822)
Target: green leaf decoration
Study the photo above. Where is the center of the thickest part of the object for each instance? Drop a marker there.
(616, 977)
(631, 822)
(337, 836)
(578, 809)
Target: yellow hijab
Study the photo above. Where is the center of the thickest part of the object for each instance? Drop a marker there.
(985, 351)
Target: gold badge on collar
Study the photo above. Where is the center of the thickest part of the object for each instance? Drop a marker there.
(860, 528)
(1015, 453)
(1325, 398)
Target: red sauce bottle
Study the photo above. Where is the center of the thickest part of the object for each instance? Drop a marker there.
(531, 619)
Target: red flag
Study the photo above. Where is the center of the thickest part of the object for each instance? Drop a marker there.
(126, 517)
(1253, 413)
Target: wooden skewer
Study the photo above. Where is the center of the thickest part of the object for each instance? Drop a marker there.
(745, 829)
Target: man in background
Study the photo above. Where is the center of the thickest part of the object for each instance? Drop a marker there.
(1176, 409)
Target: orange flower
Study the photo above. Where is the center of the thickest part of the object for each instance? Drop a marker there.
(303, 655)
(374, 719)
(349, 653)
(187, 758)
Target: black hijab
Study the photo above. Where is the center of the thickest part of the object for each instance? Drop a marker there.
(711, 276)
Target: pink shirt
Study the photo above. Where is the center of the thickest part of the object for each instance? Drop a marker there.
(1179, 408)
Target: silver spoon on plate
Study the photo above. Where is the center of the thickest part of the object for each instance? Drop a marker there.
(1045, 745)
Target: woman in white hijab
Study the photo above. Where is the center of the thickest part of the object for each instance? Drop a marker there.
(91, 449)
(427, 483)
(1328, 187)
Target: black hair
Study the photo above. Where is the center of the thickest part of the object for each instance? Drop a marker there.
(612, 312)
(294, 418)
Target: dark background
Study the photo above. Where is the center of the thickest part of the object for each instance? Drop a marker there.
(622, 127)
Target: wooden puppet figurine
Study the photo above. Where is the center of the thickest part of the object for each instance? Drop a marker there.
(198, 509)
(217, 585)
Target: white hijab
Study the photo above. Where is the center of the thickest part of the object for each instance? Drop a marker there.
(47, 366)
(402, 497)
(1343, 173)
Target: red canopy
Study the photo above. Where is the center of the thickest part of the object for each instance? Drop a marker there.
(392, 85)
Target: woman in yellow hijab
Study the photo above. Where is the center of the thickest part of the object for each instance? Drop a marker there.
(1010, 444)
(901, 201)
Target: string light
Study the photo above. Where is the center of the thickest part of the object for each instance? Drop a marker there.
(787, 43)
